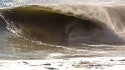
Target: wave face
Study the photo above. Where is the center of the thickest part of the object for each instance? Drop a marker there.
(67, 24)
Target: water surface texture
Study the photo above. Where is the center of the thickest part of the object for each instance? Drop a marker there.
(59, 30)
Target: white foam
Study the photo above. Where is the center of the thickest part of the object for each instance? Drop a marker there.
(95, 63)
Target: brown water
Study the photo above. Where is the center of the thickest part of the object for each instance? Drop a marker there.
(13, 47)
(35, 32)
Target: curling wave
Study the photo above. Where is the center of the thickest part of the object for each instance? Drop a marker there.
(67, 24)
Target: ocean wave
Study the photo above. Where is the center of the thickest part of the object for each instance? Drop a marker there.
(66, 24)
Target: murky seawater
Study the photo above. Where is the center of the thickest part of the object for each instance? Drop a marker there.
(87, 57)
(62, 35)
(14, 47)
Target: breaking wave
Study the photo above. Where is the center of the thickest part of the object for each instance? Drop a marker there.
(66, 24)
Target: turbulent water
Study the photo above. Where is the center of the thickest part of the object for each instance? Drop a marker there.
(61, 31)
